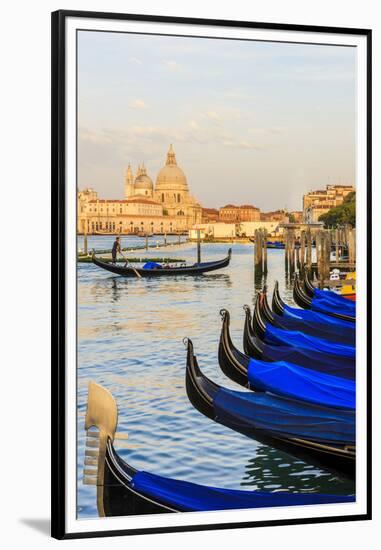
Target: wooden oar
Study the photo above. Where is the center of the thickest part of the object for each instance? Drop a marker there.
(133, 269)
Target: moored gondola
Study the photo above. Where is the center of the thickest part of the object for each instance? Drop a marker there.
(158, 270)
(347, 292)
(308, 286)
(320, 435)
(326, 306)
(311, 385)
(277, 336)
(122, 490)
(316, 327)
(255, 347)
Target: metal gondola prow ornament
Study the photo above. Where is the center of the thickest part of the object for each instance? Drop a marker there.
(102, 414)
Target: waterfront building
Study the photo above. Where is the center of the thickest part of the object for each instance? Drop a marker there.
(244, 213)
(280, 216)
(222, 230)
(210, 215)
(167, 207)
(296, 215)
(316, 203)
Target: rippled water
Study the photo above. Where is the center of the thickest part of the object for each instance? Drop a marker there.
(130, 334)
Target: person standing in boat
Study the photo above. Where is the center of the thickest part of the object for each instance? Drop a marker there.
(115, 249)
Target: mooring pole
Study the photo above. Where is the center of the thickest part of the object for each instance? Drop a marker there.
(146, 241)
(302, 250)
(265, 251)
(198, 247)
(85, 249)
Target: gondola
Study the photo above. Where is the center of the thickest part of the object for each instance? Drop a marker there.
(320, 435)
(277, 245)
(327, 296)
(277, 336)
(322, 305)
(122, 490)
(255, 347)
(159, 270)
(283, 309)
(319, 329)
(347, 292)
(283, 378)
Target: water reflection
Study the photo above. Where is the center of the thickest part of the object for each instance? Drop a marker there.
(271, 469)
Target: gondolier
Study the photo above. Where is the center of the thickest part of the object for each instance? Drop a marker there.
(115, 249)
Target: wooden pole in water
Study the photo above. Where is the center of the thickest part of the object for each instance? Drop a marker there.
(146, 241)
(327, 255)
(351, 245)
(336, 245)
(292, 251)
(265, 251)
(85, 248)
(302, 250)
(318, 238)
(198, 247)
(165, 239)
(309, 251)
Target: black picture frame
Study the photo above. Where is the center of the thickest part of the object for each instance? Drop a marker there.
(58, 478)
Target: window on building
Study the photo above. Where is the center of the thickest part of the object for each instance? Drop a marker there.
(178, 197)
(162, 197)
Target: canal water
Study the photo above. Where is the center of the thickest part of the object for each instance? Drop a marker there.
(130, 340)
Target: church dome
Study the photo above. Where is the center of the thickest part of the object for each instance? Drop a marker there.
(142, 181)
(171, 177)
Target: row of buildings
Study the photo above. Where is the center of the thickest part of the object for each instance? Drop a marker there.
(168, 207)
(247, 213)
(316, 203)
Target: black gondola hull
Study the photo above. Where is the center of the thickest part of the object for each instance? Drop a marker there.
(196, 269)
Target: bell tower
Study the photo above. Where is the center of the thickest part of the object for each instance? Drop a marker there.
(128, 183)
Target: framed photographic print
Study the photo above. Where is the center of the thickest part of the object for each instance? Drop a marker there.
(211, 274)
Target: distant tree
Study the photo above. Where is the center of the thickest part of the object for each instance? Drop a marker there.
(291, 218)
(342, 214)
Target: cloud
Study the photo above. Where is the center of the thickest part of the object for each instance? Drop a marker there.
(193, 124)
(271, 130)
(212, 115)
(138, 104)
(93, 136)
(135, 61)
(173, 66)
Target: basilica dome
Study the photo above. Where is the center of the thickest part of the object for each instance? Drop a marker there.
(142, 181)
(171, 177)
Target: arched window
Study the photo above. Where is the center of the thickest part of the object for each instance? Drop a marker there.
(162, 197)
(178, 197)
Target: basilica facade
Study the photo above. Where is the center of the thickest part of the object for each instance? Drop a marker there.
(166, 207)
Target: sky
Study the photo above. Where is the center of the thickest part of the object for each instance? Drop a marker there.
(250, 122)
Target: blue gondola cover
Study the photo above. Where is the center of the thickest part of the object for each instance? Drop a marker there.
(328, 295)
(288, 380)
(152, 265)
(313, 316)
(282, 337)
(189, 497)
(332, 333)
(244, 411)
(311, 359)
